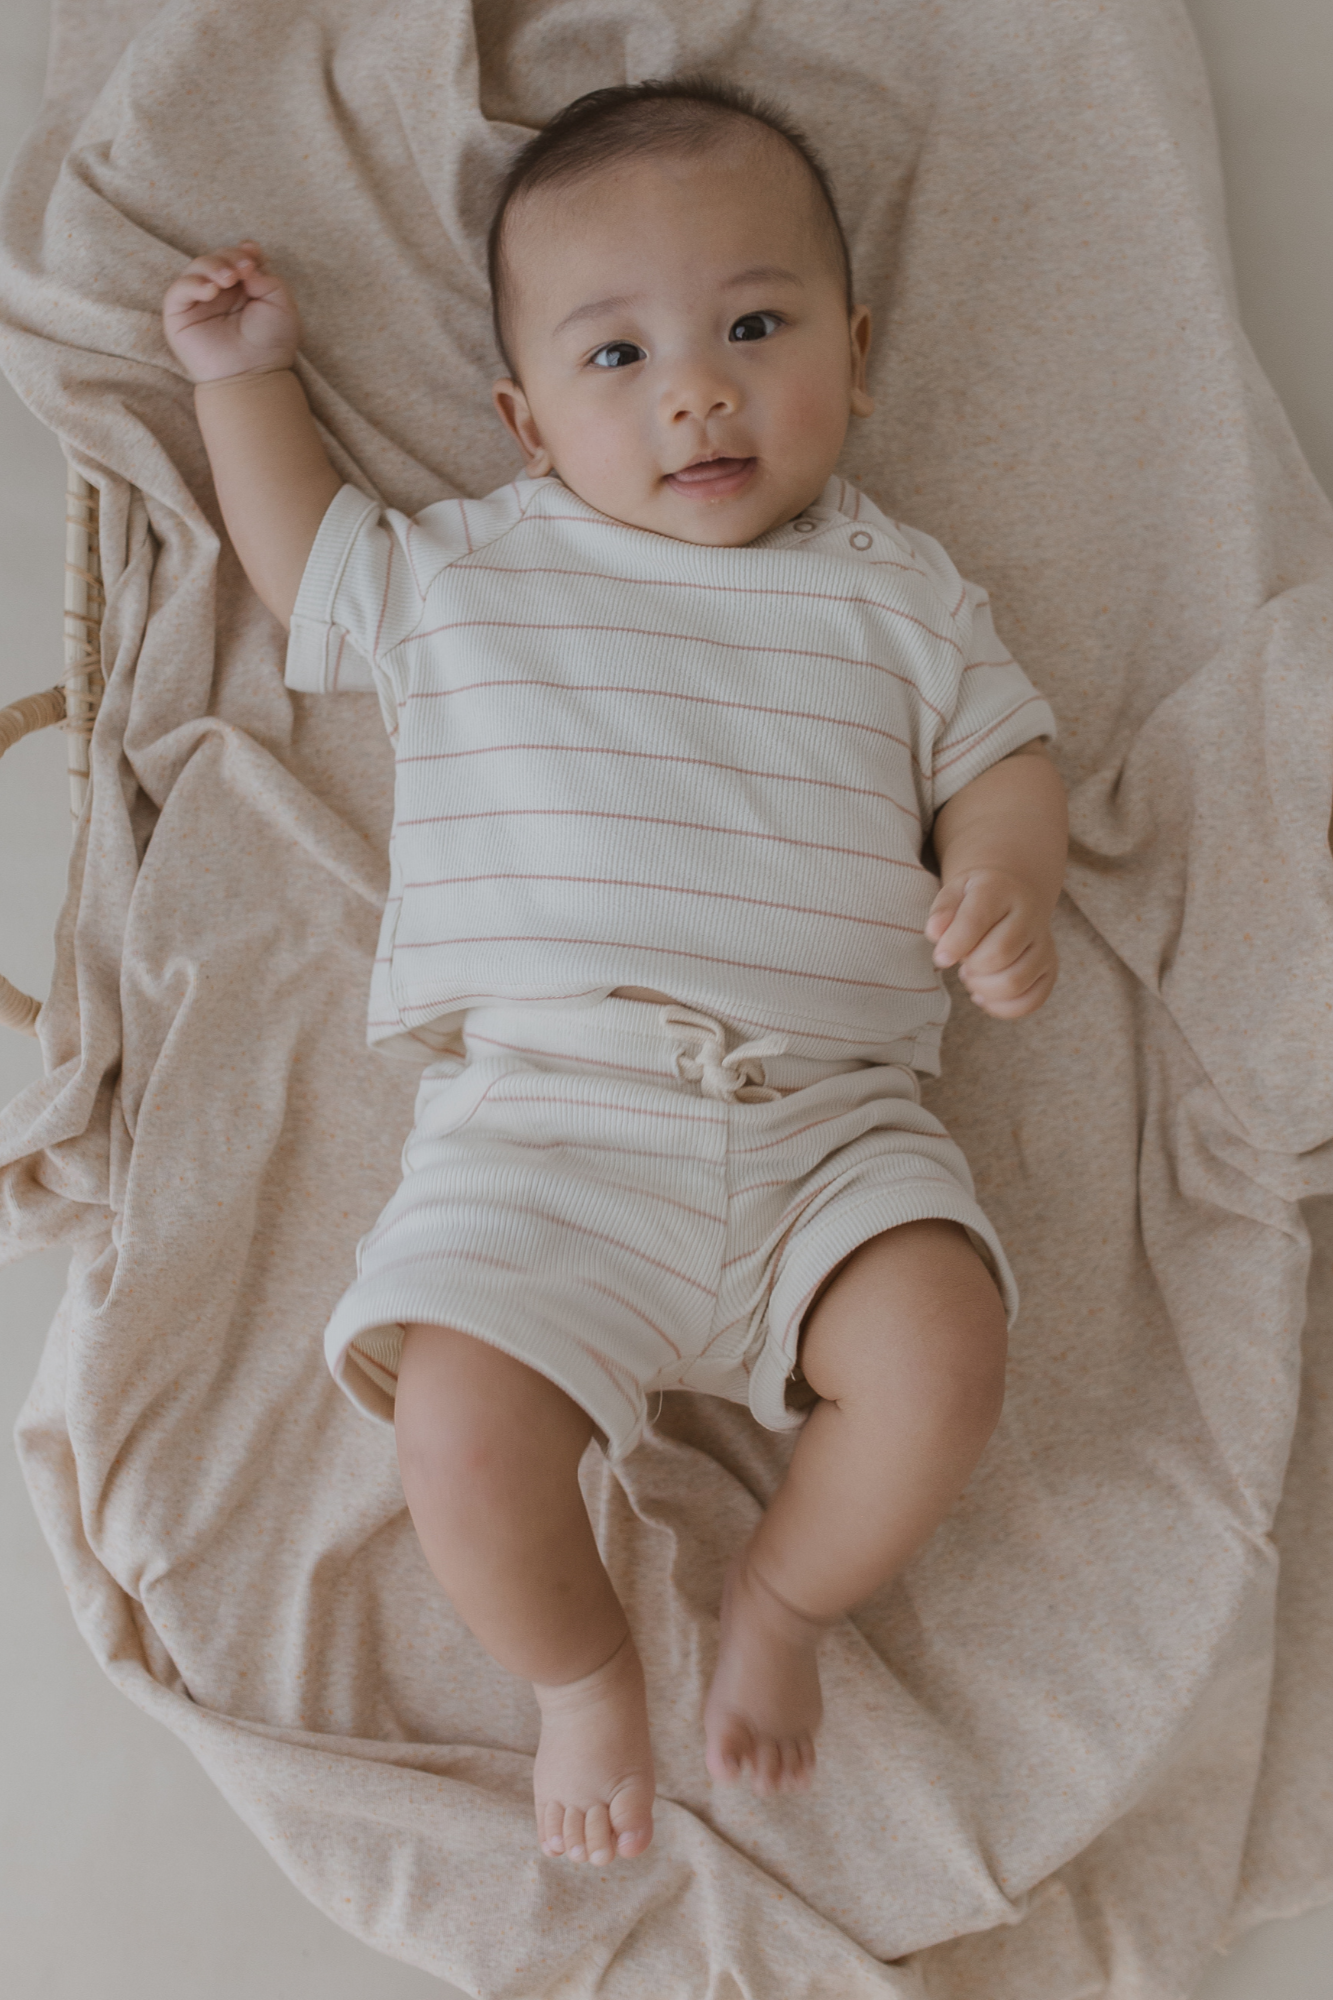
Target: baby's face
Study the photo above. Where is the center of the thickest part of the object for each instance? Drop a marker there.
(687, 361)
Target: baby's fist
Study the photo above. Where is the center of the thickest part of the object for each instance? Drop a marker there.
(995, 929)
(228, 314)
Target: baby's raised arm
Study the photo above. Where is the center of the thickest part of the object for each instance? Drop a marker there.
(1001, 845)
(234, 326)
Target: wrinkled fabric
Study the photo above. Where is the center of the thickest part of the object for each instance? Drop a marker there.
(1087, 1734)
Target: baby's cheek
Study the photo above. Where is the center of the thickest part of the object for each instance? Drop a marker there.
(814, 418)
(807, 406)
(600, 449)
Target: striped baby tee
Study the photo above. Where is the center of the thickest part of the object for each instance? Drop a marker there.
(624, 760)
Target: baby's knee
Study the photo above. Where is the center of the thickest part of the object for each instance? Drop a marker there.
(951, 1388)
(916, 1316)
(465, 1412)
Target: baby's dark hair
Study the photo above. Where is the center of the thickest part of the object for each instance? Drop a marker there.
(635, 121)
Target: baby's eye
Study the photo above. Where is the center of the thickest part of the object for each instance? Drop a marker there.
(617, 354)
(755, 326)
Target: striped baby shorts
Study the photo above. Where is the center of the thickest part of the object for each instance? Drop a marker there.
(632, 1198)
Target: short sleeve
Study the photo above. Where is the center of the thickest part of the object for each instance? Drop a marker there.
(323, 655)
(998, 710)
(366, 582)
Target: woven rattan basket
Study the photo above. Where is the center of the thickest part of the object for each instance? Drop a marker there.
(75, 700)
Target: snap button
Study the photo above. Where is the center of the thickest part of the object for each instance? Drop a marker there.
(860, 540)
(804, 527)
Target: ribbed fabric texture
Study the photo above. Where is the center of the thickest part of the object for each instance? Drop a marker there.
(624, 760)
(575, 1200)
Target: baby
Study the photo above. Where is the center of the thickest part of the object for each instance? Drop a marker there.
(683, 725)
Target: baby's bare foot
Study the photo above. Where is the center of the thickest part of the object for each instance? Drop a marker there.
(593, 1780)
(764, 1705)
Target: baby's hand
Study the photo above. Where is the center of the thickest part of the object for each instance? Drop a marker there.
(227, 314)
(996, 930)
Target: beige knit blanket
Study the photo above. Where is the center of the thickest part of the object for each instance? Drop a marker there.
(1092, 1726)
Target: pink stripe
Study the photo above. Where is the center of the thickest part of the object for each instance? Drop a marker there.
(544, 1215)
(606, 1292)
(671, 889)
(686, 825)
(886, 562)
(622, 1152)
(669, 951)
(742, 1319)
(588, 1179)
(557, 1221)
(694, 1116)
(464, 1255)
(572, 1056)
(691, 583)
(855, 1045)
(653, 757)
(617, 1374)
(785, 1138)
(700, 639)
(720, 1334)
(660, 694)
(979, 736)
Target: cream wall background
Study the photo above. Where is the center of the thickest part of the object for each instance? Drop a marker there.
(125, 1876)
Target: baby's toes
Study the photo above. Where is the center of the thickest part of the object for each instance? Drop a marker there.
(599, 1843)
(631, 1820)
(572, 1834)
(728, 1754)
(551, 1826)
(766, 1766)
(798, 1756)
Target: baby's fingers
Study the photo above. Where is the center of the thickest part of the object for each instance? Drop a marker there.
(1020, 988)
(229, 314)
(227, 266)
(970, 911)
(944, 909)
(218, 271)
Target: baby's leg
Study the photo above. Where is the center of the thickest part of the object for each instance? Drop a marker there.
(905, 1349)
(489, 1452)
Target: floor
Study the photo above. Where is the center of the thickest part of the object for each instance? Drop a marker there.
(125, 1873)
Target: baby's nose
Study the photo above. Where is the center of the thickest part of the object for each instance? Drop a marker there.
(700, 392)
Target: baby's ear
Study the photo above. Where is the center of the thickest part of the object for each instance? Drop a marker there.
(512, 409)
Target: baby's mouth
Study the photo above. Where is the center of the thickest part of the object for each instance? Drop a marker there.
(712, 478)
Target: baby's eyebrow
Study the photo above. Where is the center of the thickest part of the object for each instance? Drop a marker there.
(757, 274)
(763, 274)
(595, 310)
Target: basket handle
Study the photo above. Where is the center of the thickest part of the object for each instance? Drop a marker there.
(75, 702)
(34, 711)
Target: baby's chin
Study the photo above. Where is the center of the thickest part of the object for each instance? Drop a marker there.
(727, 513)
(729, 528)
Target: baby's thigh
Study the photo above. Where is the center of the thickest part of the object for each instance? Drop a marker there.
(463, 1403)
(913, 1312)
